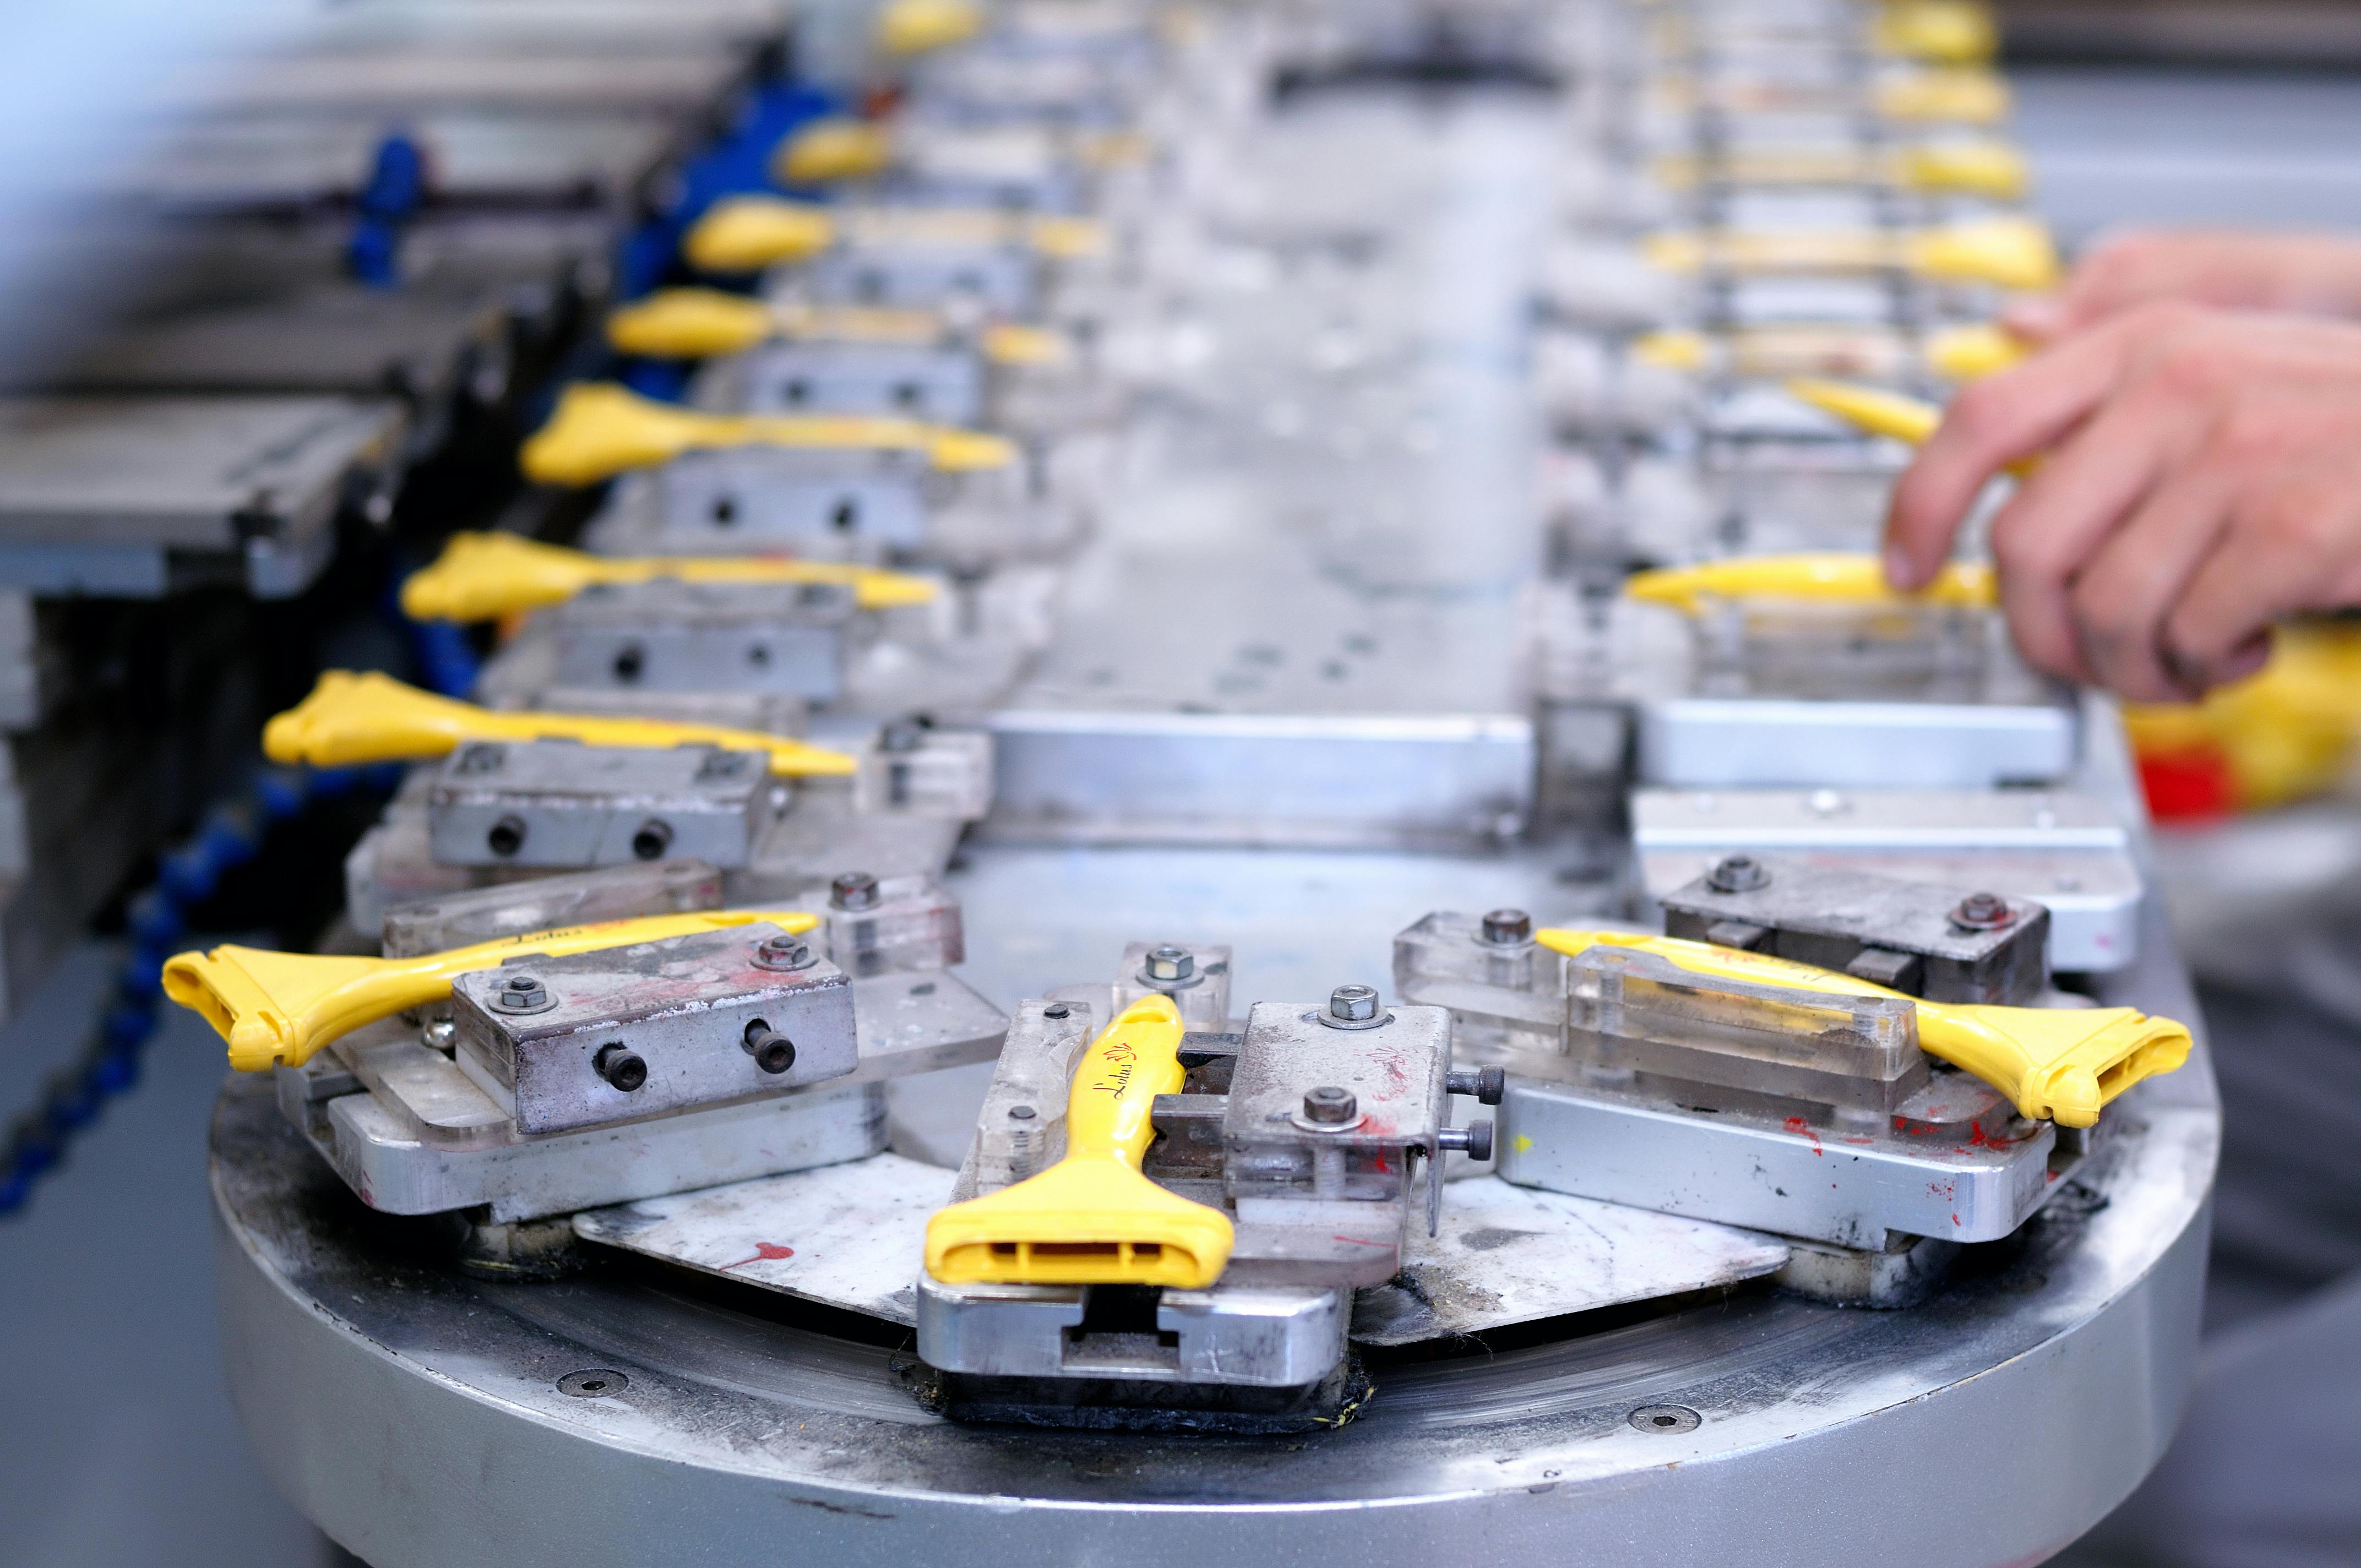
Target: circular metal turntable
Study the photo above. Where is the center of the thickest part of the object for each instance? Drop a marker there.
(630, 1415)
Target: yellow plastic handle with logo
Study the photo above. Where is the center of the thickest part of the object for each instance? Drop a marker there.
(696, 324)
(690, 324)
(352, 719)
(483, 577)
(1880, 412)
(1829, 577)
(1965, 353)
(599, 431)
(2055, 1064)
(1980, 168)
(1943, 32)
(906, 27)
(2006, 252)
(833, 148)
(746, 234)
(1091, 1218)
(277, 1009)
(1972, 351)
(1960, 95)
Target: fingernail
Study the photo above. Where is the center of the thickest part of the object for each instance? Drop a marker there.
(1900, 570)
(2040, 318)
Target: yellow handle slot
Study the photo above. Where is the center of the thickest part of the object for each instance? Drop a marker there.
(1960, 95)
(484, 576)
(1091, 1218)
(351, 720)
(2004, 252)
(2055, 1064)
(1943, 32)
(836, 147)
(1830, 577)
(277, 1009)
(905, 28)
(598, 432)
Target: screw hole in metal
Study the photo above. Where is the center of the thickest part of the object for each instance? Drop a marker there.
(1665, 1420)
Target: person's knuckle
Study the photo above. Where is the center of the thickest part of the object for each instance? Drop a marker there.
(2102, 606)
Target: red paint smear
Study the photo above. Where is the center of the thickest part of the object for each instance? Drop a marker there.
(1358, 1241)
(1802, 1129)
(764, 1251)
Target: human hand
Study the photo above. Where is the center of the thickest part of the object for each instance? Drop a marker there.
(2300, 274)
(2200, 478)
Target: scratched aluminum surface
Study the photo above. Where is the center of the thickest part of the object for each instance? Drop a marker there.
(851, 1235)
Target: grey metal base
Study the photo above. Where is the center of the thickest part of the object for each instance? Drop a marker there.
(425, 1417)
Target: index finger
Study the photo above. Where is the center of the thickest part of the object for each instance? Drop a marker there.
(1989, 426)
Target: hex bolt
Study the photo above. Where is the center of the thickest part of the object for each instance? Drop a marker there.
(854, 890)
(1489, 1084)
(1737, 873)
(1982, 912)
(772, 1051)
(1353, 1003)
(505, 837)
(482, 759)
(1507, 927)
(1473, 1140)
(1057, 1010)
(652, 839)
(1169, 965)
(521, 993)
(784, 952)
(1331, 1105)
(619, 1066)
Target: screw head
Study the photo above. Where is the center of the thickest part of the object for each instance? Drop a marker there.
(1331, 1105)
(1057, 1010)
(1021, 1112)
(772, 1051)
(854, 890)
(506, 837)
(1507, 927)
(1982, 912)
(521, 994)
(1170, 963)
(902, 735)
(1353, 1003)
(619, 1066)
(1737, 873)
(781, 952)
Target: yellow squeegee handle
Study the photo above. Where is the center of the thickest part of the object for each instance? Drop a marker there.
(279, 1008)
(1819, 577)
(1135, 1059)
(2054, 1063)
(354, 720)
(1876, 411)
(1094, 1218)
(600, 430)
(484, 576)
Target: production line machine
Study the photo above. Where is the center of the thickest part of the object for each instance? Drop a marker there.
(1571, 1031)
